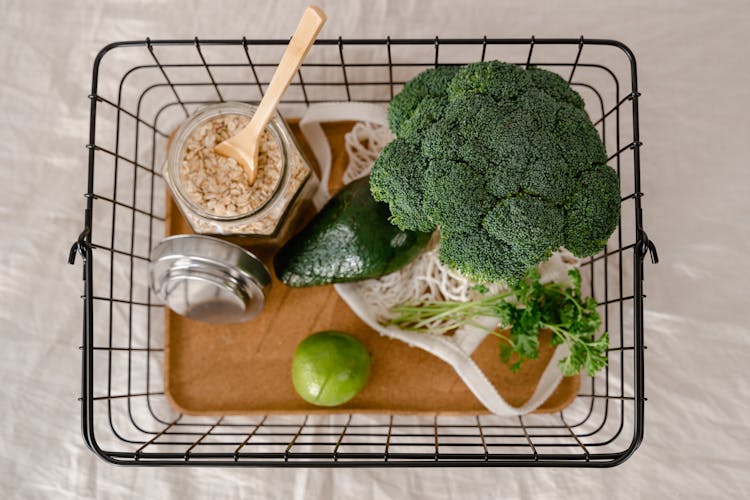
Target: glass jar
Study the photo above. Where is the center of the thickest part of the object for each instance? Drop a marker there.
(212, 191)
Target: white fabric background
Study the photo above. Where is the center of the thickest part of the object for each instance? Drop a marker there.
(694, 76)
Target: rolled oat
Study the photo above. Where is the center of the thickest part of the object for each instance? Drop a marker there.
(218, 184)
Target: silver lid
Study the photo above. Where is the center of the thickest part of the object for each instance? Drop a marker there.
(208, 279)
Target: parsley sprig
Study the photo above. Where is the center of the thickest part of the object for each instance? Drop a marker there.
(528, 307)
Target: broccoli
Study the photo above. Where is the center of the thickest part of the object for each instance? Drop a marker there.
(504, 161)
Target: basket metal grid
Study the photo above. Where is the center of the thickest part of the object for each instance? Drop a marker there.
(141, 90)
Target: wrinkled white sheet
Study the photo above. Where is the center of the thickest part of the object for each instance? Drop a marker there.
(695, 79)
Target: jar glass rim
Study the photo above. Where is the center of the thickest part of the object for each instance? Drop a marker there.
(177, 147)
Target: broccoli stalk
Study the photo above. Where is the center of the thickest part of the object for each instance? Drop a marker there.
(504, 161)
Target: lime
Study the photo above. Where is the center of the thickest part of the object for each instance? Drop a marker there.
(330, 368)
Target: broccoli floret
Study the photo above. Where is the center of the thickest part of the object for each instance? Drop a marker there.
(553, 85)
(397, 177)
(532, 226)
(504, 161)
(548, 175)
(427, 112)
(476, 116)
(498, 80)
(545, 145)
(446, 185)
(479, 255)
(430, 83)
(529, 152)
(593, 211)
(478, 119)
(470, 146)
(440, 142)
(534, 111)
(578, 138)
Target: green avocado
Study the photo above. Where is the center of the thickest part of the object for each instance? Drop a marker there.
(350, 239)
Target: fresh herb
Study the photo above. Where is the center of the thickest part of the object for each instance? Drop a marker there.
(527, 308)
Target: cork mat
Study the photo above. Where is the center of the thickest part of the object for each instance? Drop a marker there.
(245, 368)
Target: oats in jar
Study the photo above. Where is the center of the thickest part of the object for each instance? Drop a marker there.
(212, 191)
(218, 184)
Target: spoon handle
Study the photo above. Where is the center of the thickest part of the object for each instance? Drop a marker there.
(307, 31)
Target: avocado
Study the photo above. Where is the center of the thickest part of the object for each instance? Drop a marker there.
(350, 239)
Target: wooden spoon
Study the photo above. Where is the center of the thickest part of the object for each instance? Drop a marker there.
(243, 147)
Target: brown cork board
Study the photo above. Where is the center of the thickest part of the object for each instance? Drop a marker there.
(245, 368)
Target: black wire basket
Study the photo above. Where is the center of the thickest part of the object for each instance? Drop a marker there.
(141, 90)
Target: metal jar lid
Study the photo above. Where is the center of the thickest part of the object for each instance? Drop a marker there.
(208, 279)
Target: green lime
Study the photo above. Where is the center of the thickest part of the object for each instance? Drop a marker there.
(330, 368)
